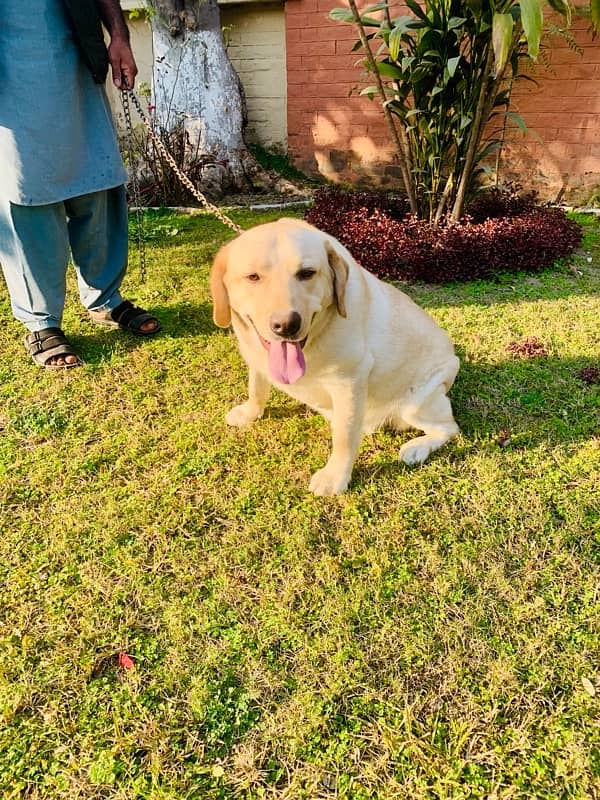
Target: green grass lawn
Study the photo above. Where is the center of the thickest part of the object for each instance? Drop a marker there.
(433, 633)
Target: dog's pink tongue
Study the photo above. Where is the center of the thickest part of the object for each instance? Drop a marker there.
(286, 361)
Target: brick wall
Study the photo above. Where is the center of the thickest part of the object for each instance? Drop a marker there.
(345, 138)
(561, 156)
(255, 37)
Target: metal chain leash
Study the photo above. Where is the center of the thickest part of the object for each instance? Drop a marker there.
(128, 94)
(139, 215)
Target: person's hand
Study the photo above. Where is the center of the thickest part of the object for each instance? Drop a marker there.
(122, 62)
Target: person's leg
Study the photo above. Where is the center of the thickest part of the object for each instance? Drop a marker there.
(34, 253)
(99, 245)
(98, 237)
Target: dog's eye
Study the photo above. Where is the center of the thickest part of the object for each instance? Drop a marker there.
(253, 277)
(305, 274)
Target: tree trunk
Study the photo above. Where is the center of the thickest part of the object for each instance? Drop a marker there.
(197, 90)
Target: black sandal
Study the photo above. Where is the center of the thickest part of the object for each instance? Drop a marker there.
(126, 316)
(50, 343)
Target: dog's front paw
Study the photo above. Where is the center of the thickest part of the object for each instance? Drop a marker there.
(328, 482)
(243, 415)
(416, 451)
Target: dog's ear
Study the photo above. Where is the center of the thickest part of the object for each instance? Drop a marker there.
(220, 298)
(340, 270)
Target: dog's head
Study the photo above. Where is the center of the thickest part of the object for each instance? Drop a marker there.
(275, 279)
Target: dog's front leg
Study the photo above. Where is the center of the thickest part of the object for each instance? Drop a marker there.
(348, 408)
(259, 389)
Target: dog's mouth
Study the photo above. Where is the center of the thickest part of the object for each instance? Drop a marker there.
(286, 359)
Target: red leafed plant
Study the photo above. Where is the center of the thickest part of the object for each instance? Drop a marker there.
(503, 232)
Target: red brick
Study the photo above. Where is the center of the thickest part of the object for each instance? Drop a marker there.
(553, 120)
(304, 6)
(583, 70)
(309, 34)
(336, 62)
(587, 89)
(299, 21)
(570, 105)
(564, 55)
(293, 35)
(578, 137)
(316, 48)
(346, 36)
(325, 6)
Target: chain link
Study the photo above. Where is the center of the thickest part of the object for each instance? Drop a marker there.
(139, 215)
(171, 161)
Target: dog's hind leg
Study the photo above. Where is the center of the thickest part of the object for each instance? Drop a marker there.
(259, 389)
(435, 418)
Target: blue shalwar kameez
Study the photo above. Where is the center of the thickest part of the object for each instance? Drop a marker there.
(61, 173)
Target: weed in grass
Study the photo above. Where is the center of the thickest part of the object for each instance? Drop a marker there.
(39, 423)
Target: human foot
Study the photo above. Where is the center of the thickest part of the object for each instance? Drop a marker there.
(129, 318)
(50, 349)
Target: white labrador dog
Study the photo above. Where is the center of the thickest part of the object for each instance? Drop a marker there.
(312, 322)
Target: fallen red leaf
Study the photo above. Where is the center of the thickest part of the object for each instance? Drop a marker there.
(125, 661)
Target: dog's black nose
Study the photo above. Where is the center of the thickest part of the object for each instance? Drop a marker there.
(286, 324)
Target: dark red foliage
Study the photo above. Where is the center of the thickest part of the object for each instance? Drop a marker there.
(589, 375)
(531, 347)
(516, 235)
(495, 203)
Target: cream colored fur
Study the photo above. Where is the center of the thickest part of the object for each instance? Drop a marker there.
(373, 357)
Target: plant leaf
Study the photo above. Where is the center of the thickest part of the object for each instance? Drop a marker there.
(388, 70)
(456, 22)
(341, 15)
(370, 22)
(518, 120)
(417, 10)
(369, 91)
(376, 7)
(452, 64)
(563, 7)
(476, 7)
(532, 18)
(595, 9)
(405, 23)
(395, 42)
(502, 29)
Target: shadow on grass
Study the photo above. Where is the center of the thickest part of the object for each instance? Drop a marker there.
(185, 319)
(537, 400)
(556, 283)
(515, 405)
(180, 321)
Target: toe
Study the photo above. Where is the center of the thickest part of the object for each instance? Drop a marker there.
(150, 326)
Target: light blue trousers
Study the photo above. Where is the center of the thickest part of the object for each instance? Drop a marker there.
(35, 242)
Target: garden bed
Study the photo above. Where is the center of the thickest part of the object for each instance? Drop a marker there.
(503, 232)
